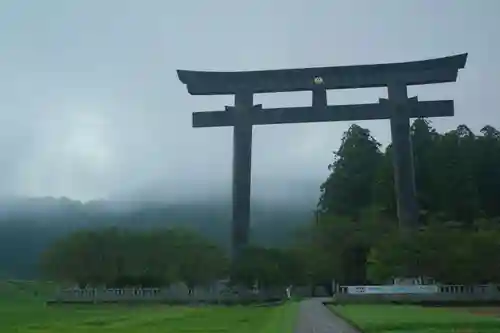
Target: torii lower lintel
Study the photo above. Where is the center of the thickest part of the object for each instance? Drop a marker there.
(308, 114)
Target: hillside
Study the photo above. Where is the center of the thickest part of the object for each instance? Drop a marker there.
(27, 226)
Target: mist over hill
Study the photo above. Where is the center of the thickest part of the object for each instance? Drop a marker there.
(28, 225)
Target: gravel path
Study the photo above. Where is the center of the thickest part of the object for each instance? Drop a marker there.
(314, 317)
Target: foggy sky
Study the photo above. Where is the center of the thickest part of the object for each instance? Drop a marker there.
(91, 107)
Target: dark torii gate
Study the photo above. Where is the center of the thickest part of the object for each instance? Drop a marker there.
(398, 108)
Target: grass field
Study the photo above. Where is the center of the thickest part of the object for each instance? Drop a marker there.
(406, 318)
(22, 310)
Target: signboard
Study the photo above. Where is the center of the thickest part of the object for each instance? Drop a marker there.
(393, 289)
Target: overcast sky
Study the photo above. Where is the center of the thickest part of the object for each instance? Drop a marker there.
(91, 106)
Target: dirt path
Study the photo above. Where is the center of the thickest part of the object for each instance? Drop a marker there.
(314, 317)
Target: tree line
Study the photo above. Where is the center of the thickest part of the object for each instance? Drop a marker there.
(458, 189)
(353, 238)
(117, 258)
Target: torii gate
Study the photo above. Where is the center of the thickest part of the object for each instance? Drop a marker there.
(398, 108)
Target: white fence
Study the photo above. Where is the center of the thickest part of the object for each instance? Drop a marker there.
(420, 293)
(420, 289)
(393, 289)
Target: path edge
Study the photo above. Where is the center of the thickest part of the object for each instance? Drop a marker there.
(342, 317)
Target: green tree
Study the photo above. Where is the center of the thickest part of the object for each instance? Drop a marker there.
(456, 190)
(488, 171)
(433, 252)
(268, 267)
(348, 188)
(424, 141)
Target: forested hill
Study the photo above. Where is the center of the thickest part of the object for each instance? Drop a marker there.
(27, 226)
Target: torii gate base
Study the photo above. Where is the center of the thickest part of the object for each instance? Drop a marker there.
(398, 108)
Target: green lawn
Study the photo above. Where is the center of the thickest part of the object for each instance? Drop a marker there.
(22, 312)
(406, 318)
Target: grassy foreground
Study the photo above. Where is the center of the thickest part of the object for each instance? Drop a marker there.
(23, 311)
(406, 318)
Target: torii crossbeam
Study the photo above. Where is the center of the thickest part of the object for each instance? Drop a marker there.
(398, 108)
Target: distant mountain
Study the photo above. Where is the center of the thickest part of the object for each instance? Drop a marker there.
(29, 225)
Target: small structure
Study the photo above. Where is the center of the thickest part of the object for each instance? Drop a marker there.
(398, 108)
(422, 280)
